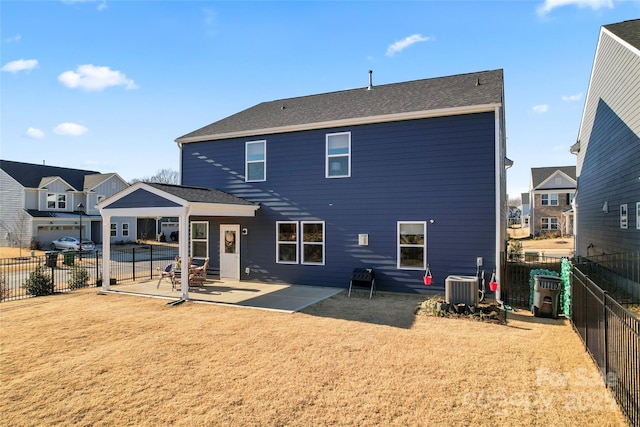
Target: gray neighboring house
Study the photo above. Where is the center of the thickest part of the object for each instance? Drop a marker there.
(608, 147)
(551, 195)
(39, 203)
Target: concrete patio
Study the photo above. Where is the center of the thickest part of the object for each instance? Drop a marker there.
(277, 297)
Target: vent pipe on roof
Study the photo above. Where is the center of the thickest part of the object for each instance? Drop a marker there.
(370, 80)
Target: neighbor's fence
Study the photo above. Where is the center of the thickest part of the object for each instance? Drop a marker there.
(611, 335)
(64, 271)
(516, 288)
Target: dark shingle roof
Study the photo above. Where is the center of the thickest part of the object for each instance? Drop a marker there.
(29, 175)
(201, 195)
(628, 31)
(432, 94)
(538, 175)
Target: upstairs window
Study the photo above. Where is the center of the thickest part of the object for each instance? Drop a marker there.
(256, 161)
(56, 201)
(338, 158)
(549, 199)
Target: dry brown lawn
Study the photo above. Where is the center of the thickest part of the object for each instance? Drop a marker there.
(92, 359)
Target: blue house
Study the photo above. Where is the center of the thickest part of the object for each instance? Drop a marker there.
(607, 201)
(398, 178)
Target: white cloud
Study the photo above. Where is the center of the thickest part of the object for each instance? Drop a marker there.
(549, 5)
(20, 65)
(71, 129)
(101, 6)
(34, 133)
(92, 77)
(572, 98)
(14, 39)
(405, 43)
(541, 109)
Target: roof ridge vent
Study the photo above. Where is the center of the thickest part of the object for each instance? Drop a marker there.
(478, 82)
(370, 80)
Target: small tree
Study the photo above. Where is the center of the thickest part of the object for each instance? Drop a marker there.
(39, 282)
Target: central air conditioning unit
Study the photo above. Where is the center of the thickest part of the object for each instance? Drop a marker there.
(461, 290)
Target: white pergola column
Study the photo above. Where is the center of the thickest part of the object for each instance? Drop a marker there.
(183, 251)
(106, 252)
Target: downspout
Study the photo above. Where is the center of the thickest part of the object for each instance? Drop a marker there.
(499, 170)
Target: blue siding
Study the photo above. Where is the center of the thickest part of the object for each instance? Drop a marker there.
(438, 168)
(140, 199)
(609, 173)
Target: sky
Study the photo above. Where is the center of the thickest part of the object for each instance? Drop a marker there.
(109, 85)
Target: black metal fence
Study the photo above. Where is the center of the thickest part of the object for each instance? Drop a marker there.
(618, 274)
(25, 277)
(29, 276)
(516, 287)
(611, 335)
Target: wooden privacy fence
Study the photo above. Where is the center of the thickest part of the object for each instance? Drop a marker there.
(611, 335)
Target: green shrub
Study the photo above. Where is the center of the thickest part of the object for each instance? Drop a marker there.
(79, 277)
(39, 282)
(4, 292)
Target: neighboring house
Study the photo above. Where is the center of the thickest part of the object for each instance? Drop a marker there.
(309, 188)
(525, 209)
(608, 147)
(40, 203)
(551, 194)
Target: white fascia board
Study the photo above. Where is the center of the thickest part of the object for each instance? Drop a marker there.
(554, 175)
(139, 186)
(623, 42)
(221, 209)
(143, 212)
(347, 122)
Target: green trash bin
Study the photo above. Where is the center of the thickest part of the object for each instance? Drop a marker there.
(69, 256)
(546, 296)
(51, 259)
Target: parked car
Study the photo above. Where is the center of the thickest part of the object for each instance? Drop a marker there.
(72, 244)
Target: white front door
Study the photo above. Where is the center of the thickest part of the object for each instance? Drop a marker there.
(230, 251)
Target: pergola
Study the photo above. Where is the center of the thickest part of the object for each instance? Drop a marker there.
(164, 200)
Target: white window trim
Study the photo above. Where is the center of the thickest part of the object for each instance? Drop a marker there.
(548, 228)
(125, 230)
(550, 199)
(328, 156)
(624, 216)
(56, 201)
(287, 242)
(399, 245)
(192, 239)
(324, 238)
(247, 161)
(113, 231)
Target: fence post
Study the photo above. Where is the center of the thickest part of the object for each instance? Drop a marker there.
(150, 262)
(605, 295)
(133, 262)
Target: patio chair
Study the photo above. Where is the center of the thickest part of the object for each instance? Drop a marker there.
(167, 273)
(198, 275)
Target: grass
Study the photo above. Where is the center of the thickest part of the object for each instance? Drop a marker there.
(84, 358)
